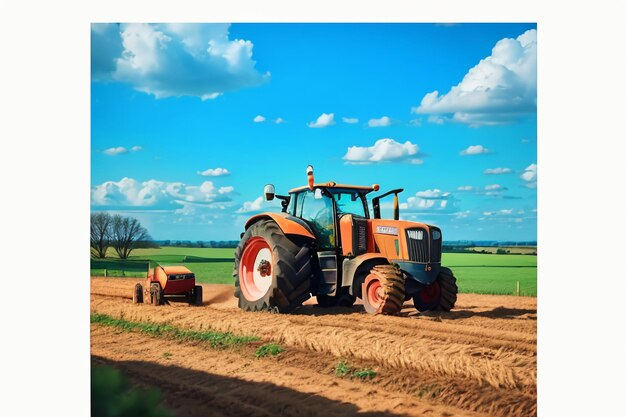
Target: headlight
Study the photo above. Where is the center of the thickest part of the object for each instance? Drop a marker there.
(436, 235)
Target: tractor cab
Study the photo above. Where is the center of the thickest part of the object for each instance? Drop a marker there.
(323, 208)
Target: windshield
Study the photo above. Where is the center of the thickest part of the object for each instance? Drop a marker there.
(349, 202)
(319, 213)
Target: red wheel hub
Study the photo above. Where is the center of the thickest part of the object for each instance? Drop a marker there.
(373, 294)
(255, 269)
(430, 294)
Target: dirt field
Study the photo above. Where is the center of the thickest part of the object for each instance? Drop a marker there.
(478, 360)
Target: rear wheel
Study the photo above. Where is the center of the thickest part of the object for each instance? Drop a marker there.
(271, 271)
(440, 295)
(156, 294)
(383, 290)
(138, 294)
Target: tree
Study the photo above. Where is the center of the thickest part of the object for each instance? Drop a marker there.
(100, 234)
(127, 232)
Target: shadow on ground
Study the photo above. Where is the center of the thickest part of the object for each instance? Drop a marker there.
(196, 393)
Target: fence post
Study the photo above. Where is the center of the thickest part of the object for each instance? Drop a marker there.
(105, 272)
(148, 270)
(517, 289)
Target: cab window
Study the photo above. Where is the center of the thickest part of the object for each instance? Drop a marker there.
(349, 203)
(319, 213)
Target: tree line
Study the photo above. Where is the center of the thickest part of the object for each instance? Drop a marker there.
(199, 243)
(122, 233)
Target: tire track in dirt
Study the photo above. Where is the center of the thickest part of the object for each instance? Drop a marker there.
(200, 382)
(498, 368)
(501, 327)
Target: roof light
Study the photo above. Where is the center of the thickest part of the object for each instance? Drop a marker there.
(309, 174)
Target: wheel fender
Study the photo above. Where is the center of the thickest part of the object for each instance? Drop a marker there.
(290, 225)
(359, 267)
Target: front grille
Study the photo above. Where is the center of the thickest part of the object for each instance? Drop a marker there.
(359, 237)
(435, 244)
(418, 248)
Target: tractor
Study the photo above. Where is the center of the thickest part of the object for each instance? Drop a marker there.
(169, 282)
(326, 243)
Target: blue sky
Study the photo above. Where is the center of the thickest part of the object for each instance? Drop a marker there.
(447, 112)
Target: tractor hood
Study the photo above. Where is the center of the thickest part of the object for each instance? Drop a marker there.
(404, 240)
(416, 247)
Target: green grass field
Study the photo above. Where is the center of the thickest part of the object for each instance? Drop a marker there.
(476, 273)
(493, 274)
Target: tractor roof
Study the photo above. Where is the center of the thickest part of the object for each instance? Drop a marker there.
(176, 269)
(360, 188)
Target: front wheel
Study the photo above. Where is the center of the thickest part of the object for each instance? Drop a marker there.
(383, 290)
(440, 295)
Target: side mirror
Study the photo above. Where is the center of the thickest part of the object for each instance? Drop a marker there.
(269, 192)
(318, 193)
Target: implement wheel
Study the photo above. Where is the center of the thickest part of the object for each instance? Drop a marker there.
(138, 294)
(196, 296)
(383, 290)
(156, 295)
(440, 295)
(272, 272)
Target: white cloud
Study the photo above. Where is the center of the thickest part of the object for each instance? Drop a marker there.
(258, 119)
(166, 60)
(499, 89)
(279, 120)
(492, 190)
(431, 200)
(249, 206)
(530, 173)
(350, 120)
(462, 214)
(226, 190)
(530, 176)
(475, 150)
(214, 172)
(384, 150)
(415, 122)
(120, 150)
(382, 122)
(503, 212)
(153, 193)
(497, 171)
(435, 119)
(434, 193)
(136, 148)
(258, 205)
(323, 121)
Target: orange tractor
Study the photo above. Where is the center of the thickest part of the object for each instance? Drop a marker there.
(326, 243)
(165, 282)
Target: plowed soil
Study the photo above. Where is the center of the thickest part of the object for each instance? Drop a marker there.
(477, 360)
